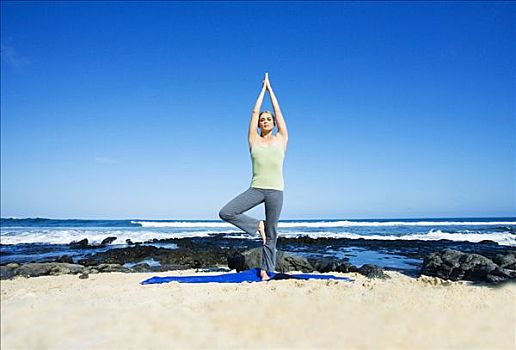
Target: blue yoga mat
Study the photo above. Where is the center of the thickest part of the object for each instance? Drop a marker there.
(252, 275)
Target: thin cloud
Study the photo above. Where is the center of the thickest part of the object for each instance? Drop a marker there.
(10, 57)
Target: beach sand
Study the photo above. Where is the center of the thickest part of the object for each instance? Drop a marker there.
(113, 310)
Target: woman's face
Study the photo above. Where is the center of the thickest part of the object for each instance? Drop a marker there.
(266, 122)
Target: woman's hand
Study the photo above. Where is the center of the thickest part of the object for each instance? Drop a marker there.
(266, 81)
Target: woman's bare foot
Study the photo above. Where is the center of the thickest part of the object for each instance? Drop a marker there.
(261, 229)
(263, 275)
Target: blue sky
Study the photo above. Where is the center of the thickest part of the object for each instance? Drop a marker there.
(141, 109)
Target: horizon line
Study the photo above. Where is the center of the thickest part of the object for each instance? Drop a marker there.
(217, 220)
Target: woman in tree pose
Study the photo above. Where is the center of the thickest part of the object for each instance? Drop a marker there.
(267, 154)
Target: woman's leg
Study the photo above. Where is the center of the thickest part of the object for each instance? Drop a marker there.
(273, 205)
(232, 212)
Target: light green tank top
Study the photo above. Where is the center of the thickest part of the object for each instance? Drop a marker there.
(268, 166)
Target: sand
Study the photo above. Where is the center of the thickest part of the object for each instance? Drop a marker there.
(113, 310)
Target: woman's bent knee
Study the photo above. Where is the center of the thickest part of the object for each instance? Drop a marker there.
(225, 215)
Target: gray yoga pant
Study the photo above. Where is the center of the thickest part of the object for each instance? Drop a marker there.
(233, 213)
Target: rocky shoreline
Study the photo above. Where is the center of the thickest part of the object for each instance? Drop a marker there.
(484, 262)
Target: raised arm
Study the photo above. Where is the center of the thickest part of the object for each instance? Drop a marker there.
(282, 125)
(253, 125)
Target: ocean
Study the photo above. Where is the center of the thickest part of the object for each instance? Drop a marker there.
(42, 239)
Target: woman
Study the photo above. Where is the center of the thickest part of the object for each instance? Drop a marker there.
(267, 154)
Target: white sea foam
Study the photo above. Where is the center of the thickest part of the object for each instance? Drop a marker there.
(65, 236)
(502, 238)
(342, 223)
(346, 223)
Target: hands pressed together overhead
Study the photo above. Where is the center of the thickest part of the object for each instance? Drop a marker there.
(266, 83)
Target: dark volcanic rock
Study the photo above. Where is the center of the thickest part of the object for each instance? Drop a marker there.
(107, 240)
(347, 267)
(287, 262)
(325, 264)
(372, 271)
(112, 268)
(488, 241)
(219, 250)
(82, 244)
(143, 267)
(253, 258)
(197, 257)
(506, 261)
(129, 242)
(499, 275)
(120, 256)
(43, 269)
(6, 272)
(332, 264)
(454, 265)
(236, 261)
(65, 259)
(415, 249)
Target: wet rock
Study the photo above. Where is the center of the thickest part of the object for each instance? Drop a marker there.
(488, 241)
(506, 261)
(236, 261)
(415, 249)
(82, 244)
(290, 262)
(372, 271)
(208, 255)
(324, 265)
(120, 256)
(499, 275)
(253, 258)
(195, 257)
(129, 242)
(454, 265)
(112, 268)
(65, 259)
(44, 269)
(142, 267)
(6, 272)
(346, 267)
(108, 240)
